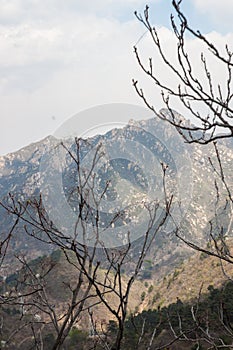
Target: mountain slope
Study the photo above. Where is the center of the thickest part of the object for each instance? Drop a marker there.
(20, 175)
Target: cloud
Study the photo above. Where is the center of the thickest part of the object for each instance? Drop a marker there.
(58, 66)
(16, 11)
(219, 11)
(77, 42)
(38, 39)
(60, 56)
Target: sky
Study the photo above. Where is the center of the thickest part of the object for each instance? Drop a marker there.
(60, 57)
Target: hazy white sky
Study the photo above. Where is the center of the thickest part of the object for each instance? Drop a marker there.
(59, 57)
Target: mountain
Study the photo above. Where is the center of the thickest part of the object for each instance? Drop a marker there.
(131, 163)
(115, 185)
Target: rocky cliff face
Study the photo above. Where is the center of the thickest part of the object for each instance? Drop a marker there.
(132, 162)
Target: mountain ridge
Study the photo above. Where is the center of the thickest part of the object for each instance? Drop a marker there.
(20, 174)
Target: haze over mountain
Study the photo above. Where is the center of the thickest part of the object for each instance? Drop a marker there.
(135, 155)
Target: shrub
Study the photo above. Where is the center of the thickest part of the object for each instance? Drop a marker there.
(143, 295)
(150, 289)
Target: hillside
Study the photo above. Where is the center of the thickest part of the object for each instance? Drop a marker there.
(107, 195)
(204, 323)
(34, 305)
(186, 281)
(196, 280)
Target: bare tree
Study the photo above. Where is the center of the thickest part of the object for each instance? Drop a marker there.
(191, 91)
(194, 93)
(208, 103)
(97, 268)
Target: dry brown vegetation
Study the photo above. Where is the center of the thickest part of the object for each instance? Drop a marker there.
(187, 280)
